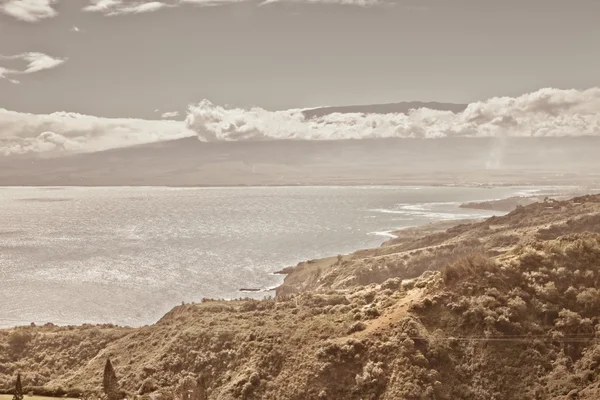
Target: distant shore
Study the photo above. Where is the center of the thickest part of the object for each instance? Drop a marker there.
(361, 183)
(513, 202)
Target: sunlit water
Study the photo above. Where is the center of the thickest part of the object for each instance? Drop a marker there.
(128, 255)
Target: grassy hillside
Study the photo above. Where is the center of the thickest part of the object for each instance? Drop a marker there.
(503, 309)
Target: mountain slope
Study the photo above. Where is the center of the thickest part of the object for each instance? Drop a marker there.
(511, 319)
(390, 108)
(189, 162)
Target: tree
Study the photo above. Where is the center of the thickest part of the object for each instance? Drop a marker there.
(110, 383)
(18, 389)
(18, 341)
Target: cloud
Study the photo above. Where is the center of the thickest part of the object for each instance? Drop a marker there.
(546, 112)
(28, 10)
(209, 2)
(170, 114)
(121, 7)
(360, 3)
(4, 72)
(35, 62)
(62, 132)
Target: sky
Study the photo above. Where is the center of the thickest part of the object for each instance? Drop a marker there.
(172, 60)
(290, 54)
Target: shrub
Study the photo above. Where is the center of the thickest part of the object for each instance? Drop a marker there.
(148, 386)
(466, 267)
(357, 327)
(18, 341)
(391, 284)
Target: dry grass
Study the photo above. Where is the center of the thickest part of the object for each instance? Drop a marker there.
(518, 325)
(31, 397)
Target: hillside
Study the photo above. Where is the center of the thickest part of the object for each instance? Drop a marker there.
(420, 249)
(504, 308)
(190, 162)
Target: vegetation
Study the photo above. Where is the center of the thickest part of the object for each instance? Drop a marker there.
(110, 383)
(507, 308)
(18, 389)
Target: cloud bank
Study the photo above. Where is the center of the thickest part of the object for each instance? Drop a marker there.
(546, 112)
(62, 132)
(28, 10)
(35, 62)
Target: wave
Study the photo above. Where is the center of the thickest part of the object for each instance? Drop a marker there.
(262, 290)
(384, 234)
(428, 214)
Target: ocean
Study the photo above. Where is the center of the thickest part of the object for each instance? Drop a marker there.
(127, 255)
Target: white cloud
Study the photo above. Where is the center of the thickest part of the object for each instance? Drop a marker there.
(63, 132)
(121, 7)
(209, 2)
(547, 112)
(4, 72)
(360, 3)
(28, 10)
(35, 62)
(170, 114)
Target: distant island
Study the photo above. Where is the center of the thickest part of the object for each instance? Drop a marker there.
(189, 162)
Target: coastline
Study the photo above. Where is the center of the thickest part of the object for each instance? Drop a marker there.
(304, 275)
(354, 310)
(278, 284)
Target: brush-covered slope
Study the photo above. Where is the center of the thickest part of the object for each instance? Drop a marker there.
(516, 320)
(417, 250)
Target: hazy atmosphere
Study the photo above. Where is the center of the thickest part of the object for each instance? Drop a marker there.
(299, 200)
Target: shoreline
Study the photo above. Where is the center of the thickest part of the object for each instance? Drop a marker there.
(294, 273)
(302, 271)
(354, 312)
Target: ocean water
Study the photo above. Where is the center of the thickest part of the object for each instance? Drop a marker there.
(128, 255)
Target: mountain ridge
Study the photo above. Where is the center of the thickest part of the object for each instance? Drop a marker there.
(384, 108)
